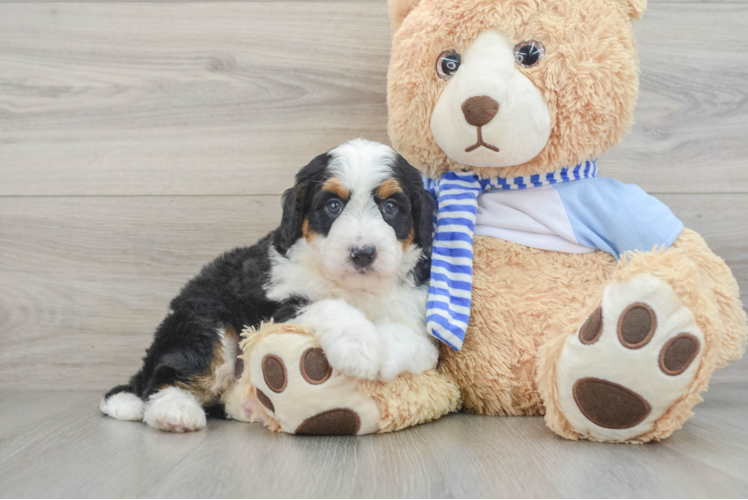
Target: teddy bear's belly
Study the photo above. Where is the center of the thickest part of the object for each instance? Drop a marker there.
(521, 297)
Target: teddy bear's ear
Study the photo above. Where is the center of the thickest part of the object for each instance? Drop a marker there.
(399, 10)
(637, 8)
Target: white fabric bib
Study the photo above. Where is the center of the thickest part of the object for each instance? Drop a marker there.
(532, 217)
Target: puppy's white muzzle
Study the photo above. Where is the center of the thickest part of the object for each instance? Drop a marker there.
(360, 245)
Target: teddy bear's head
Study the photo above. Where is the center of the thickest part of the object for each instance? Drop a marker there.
(510, 87)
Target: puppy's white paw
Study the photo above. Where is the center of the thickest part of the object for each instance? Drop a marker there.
(174, 410)
(421, 359)
(356, 352)
(389, 372)
(123, 406)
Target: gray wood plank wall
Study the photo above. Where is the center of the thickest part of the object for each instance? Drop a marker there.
(139, 140)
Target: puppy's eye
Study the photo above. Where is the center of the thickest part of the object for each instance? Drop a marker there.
(334, 207)
(448, 64)
(528, 53)
(389, 207)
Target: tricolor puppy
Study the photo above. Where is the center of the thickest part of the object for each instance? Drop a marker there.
(350, 260)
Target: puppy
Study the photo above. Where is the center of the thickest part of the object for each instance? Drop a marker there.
(350, 260)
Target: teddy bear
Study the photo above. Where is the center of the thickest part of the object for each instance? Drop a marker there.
(555, 291)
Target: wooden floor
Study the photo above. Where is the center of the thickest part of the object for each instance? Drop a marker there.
(138, 140)
(55, 443)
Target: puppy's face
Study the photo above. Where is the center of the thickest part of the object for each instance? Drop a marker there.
(362, 211)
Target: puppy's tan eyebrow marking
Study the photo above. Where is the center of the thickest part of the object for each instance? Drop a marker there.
(388, 188)
(336, 186)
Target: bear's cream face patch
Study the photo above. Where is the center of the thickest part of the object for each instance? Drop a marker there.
(490, 114)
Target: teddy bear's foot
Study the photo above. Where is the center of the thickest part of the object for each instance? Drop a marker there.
(288, 385)
(631, 360)
(298, 388)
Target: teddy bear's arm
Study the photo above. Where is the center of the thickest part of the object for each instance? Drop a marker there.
(617, 218)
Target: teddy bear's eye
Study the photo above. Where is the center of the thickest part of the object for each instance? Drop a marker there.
(528, 53)
(448, 64)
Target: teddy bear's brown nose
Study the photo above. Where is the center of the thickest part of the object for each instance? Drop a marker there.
(479, 110)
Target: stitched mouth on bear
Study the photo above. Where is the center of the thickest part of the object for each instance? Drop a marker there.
(480, 143)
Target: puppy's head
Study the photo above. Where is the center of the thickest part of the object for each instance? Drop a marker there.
(360, 211)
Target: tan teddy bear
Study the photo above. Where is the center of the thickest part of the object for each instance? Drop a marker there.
(555, 291)
(590, 302)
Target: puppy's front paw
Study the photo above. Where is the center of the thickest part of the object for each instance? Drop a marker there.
(418, 361)
(355, 352)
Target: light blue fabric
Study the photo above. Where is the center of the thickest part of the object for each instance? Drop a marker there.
(615, 217)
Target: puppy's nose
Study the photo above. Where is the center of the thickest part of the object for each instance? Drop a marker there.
(479, 110)
(364, 256)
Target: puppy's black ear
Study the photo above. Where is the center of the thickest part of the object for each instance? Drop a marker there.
(425, 220)
(421, 203)
(296, 201)
(290, 227)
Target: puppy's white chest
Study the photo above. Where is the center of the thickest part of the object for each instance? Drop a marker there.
(380, 307)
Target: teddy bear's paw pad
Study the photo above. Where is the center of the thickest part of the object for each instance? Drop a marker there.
(314, 366)
(609, 405)
(341, 422)
(679, 353)
(630, 361)
(274, 373)
(266, 401)
(295, 383)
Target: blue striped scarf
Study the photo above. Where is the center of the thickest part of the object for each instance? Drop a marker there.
(451, 285)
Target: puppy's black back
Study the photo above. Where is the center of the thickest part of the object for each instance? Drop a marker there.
(226, 295)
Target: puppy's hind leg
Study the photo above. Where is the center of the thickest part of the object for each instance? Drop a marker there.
(170, 405)
(122, 404)
(174, 409)
(190, 363)
(171, 408)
